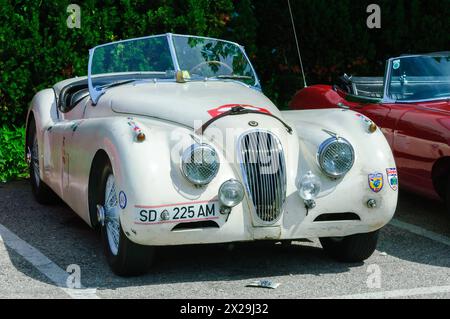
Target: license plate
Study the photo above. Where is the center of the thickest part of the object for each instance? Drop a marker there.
(178, 213)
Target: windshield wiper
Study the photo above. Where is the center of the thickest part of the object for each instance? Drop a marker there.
(114, 84)
(232, 77)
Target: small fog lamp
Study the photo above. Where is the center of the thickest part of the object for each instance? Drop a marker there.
(309, 186)
(231, 193)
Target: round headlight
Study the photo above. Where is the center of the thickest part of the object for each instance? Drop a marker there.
(309, 186)
(336, 157)
(231, 193)
(200, 164)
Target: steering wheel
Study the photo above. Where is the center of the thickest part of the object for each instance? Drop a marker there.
(212, 62)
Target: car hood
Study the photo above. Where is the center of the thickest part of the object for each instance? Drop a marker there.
(184, 103)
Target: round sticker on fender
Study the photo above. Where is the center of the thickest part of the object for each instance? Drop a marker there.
(122, 200)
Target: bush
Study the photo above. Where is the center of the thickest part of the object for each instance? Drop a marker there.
(37, 49)
(12, 157)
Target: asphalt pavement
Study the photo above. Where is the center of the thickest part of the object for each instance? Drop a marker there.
(39, 244)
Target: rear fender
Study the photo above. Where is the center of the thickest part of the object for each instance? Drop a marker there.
(43, 111)
(316, 97)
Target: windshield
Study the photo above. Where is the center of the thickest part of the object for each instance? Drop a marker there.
(212, 59)
(161, 57)
(419, 78)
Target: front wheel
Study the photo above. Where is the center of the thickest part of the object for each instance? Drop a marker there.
(353, 248)
(124, 257)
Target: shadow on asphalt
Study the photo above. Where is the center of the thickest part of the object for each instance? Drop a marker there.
(63, 237)
(425, 213)
(430, 214)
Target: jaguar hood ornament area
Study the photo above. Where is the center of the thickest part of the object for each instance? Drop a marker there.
(169, 140)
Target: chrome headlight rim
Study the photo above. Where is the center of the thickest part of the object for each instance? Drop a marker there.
(187, 154)
(325, 146)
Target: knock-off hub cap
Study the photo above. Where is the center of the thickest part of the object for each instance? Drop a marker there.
(101, 215)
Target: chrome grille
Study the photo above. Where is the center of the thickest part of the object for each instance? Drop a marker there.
(264, 172)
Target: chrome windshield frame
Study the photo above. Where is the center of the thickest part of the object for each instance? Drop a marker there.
(96, 93)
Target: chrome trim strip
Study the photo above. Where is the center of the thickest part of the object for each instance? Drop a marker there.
(441, 99)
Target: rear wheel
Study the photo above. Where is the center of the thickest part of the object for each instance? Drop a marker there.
(354, 248)
(447, 196)
(124, 257)
(42, 193)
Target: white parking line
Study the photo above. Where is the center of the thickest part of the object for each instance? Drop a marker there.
(421, 231)
(396, 293)
(47, 267)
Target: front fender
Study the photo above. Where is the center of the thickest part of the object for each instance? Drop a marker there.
(372, 155)
(148, 172)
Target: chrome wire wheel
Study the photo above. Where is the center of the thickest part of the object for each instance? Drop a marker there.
(125, 257)
(34, 160)
(111, 209)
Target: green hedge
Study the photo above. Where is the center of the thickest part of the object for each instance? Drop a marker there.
(12, 155)
(37, 48)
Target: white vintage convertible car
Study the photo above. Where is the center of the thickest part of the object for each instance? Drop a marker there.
(169, 141)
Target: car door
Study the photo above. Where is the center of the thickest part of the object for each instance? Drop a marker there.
(52, 140)
(420, 138)
(72, 118)
(413, 139)
(410, 134)
(59, 137)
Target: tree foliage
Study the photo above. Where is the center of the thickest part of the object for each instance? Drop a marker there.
(37, 48)
(12, 153)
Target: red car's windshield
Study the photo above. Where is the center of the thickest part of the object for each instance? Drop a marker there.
(417, 78)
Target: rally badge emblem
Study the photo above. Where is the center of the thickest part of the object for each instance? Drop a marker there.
(376, 182)
(392, 178)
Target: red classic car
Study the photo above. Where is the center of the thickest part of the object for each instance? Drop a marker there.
(411, 105)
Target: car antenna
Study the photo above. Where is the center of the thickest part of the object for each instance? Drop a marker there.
(296, 42)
